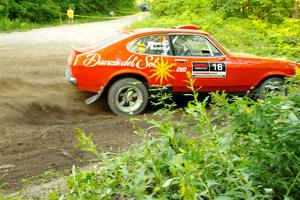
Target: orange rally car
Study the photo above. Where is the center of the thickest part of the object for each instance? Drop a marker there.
(127, 65)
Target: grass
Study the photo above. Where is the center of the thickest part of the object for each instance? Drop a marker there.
(37, 181)
(7, 25)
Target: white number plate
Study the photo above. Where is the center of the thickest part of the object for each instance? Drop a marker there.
(209, 69)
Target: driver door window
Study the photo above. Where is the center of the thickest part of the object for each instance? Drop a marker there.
(194, 46)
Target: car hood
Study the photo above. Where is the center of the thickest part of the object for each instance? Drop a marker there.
(264, 61)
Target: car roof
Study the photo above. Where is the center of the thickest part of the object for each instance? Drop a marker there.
(144, 31)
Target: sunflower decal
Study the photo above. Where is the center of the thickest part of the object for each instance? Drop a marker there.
(162, 70)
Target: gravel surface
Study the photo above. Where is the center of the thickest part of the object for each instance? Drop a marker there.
(39, 110)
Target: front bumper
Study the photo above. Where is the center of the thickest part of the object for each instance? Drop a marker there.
(69, 76)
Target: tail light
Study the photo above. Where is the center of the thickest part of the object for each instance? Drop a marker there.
(71, 57)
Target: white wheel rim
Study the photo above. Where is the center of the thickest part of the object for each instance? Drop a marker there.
(129, 98)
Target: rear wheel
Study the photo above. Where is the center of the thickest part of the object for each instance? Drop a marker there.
(269, 86)
(127, 96)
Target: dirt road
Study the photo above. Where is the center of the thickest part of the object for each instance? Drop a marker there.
(39, 110)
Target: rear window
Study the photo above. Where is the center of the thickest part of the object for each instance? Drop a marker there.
(150, 44)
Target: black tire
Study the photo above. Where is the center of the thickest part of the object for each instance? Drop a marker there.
(273, 84)
(127, 96)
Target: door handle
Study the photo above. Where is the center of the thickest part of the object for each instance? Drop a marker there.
(222, 58)
(181, 60)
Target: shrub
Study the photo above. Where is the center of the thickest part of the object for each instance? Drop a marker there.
(273, 11)
(267, 134)
(237, 149)
(7, 25)
(38, 11)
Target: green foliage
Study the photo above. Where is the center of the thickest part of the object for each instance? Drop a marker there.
(245, 26)
(86, 144)
(248, 36)
(24, 15)
(47, 11)
(268, 132)
(237, 149)
(7, 25)
(2, 197)
(33, 11)
(254, 9)
(173, 8)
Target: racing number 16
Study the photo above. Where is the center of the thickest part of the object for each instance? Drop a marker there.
(217, 67)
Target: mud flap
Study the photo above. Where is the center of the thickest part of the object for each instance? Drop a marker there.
(94, 98)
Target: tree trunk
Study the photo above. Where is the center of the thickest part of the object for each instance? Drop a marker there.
(295, 13)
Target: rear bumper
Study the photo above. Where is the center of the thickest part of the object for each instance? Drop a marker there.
(69, 76)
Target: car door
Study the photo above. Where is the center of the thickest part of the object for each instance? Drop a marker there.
(211, 69)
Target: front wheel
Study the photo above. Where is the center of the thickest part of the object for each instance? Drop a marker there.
(127, 96)
(269, 86)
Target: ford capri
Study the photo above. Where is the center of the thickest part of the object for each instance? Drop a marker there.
(128, 65)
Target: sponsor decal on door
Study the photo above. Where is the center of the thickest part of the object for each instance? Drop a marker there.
(209, 69)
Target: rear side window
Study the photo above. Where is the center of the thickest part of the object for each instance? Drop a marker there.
(151, 44)
(193, 45)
